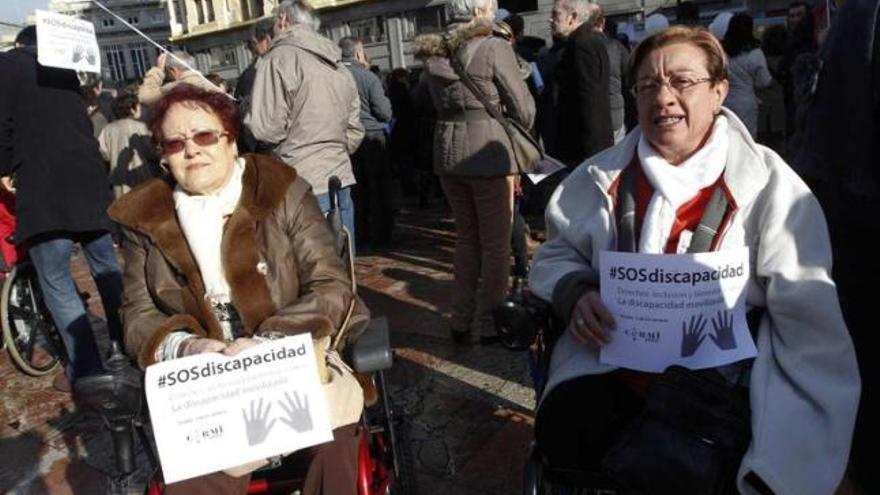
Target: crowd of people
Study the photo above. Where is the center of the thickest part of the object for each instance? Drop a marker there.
(219, 195)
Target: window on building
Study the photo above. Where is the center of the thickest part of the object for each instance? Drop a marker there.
(157, 18)
(222, 57)
(258, 8)
(180, 12)
(370, 30)
(115, 62)
(427, 20)
(132, 20)
(245, 9)
(210, 4)
(200, 11)
(140, 60)
(108, 22)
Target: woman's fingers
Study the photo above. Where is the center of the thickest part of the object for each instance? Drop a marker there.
(200, 345)
(605, 317)
(590, 319)
(238, 345)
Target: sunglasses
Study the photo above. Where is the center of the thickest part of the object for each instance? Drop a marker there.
(201, 138)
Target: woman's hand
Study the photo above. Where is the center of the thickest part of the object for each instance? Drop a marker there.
(200, 345)
(591, 321)
(239, 345)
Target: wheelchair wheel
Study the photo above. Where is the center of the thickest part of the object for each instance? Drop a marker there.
(28, 330)
(399, 447)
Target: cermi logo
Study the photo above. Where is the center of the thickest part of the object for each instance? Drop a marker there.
(200, 435)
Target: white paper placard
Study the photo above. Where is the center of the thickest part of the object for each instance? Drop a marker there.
(211, 412)
(545, 168)
(67, 43)
(684, 309)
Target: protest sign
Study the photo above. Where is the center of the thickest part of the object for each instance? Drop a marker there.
(685, 309)
(210, 412)
(545, 168)
(67, 43)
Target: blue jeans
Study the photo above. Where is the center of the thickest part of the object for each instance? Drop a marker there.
(51, 258)
(346, 208)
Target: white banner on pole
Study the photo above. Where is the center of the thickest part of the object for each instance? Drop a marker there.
(67, 43)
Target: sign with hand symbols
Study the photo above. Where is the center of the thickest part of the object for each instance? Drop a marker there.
(66, 42)
(682, 309)
(212, 412)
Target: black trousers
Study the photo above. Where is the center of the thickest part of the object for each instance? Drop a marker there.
(581, 418)
(374, 193)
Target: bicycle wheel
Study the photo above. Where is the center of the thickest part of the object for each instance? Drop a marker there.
(28, 330)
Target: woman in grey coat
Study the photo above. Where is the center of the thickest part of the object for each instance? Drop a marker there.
(473, 157)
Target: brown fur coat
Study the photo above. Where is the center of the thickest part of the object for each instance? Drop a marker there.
(277, 252)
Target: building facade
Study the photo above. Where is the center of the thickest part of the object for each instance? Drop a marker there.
(216, 31)
(126, 56)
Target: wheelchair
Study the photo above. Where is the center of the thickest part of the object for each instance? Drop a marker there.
(525, 322)
(29, 333)
(385, 464)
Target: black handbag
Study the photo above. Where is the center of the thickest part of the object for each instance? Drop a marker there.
(689, 438)
(695, 426)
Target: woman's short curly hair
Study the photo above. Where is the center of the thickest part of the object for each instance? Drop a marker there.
(219, 104)
(698, 36)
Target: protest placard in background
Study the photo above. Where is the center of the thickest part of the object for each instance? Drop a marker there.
(685, 309)
(66, 42)
(210, 412)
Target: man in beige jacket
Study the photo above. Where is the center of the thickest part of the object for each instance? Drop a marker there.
(153, 89)
(306, 104)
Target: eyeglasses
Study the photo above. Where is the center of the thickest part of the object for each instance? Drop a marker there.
(677, 84)
(201, 138)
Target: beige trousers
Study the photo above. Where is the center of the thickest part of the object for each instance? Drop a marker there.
(483, 211)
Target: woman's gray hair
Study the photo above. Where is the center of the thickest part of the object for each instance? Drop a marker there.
(298, 12)
(463, 10)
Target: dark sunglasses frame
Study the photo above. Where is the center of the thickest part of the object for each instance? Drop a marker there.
(201, 138)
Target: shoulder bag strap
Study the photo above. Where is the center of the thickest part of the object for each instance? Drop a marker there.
(472, 86)
(628, 225)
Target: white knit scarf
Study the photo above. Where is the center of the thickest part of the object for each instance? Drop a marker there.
(202, 218)
(675, 185)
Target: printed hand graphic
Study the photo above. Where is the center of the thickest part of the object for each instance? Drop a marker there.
(723, 325)
(78, 53)
(298, 415)
(257, 429)
(692, 335)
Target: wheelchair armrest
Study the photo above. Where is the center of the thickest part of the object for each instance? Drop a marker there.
(372, 350)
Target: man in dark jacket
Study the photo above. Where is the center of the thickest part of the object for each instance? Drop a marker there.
(617, 58)
(583, 107)
(374, 211)
(46, 140)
